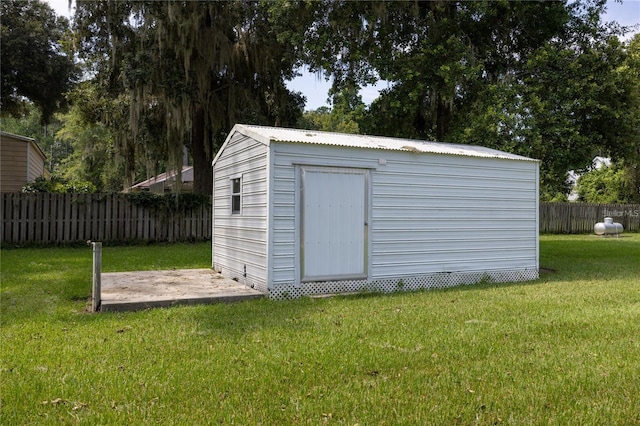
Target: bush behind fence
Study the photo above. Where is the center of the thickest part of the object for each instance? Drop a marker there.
(44, 218)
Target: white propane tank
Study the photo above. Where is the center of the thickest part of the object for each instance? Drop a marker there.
(609, 227)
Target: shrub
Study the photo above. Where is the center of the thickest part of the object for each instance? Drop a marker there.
(59, 185)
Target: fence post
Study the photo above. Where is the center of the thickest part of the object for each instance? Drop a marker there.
(97, 272)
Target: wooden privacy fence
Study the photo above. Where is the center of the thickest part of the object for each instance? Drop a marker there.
(44, 218)
(579, 218)
(70, 218)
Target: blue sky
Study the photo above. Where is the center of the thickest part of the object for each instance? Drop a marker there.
(315, 87)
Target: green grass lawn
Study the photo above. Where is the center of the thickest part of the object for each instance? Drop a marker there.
(564, 349)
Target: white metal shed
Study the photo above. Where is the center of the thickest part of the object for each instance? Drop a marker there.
(299, 212)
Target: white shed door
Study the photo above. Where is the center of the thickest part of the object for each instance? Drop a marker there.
(333, 237)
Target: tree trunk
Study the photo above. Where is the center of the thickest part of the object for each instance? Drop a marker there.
(202, 171)
(443, 116)
(130, 164)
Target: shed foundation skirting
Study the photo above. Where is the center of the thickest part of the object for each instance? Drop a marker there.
(388, 285)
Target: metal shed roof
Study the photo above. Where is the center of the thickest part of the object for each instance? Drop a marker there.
(266, 135)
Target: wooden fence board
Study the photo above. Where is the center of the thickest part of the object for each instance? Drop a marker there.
(73, 235)
(3, 213)
(47, 222)
(22, 212)
(147, 225)
(13, 207)
(38, 220)
(81, 209)
(60, 218)
(108, 220)
(122, 222)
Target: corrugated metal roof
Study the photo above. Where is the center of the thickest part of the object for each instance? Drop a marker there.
(267, 135)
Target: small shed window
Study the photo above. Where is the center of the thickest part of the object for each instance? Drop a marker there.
(236, 195)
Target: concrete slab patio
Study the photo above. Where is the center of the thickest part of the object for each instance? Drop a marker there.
(128, 291)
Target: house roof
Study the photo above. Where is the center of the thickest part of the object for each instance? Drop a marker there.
(187, 176)
(599, 162)
(266, 135)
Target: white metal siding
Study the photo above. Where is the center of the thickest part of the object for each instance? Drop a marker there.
(440, 213)
(285, 237)
(429, 213)
(240, 240)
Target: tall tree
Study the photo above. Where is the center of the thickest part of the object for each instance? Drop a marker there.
(436, 54)
(35, 65)
(196, 68)
(630, 73)
(347, 111)
(92, 144)
(575, 101)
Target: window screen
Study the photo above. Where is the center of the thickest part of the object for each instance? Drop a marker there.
(236, 195)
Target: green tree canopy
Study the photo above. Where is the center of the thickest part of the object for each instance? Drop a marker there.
(438, 55)
(606, 185)
(35, 65)
(347, 111)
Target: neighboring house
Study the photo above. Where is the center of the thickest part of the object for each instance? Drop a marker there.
(166, 182)
(299, 212)
(21, 161)
(572, 177)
